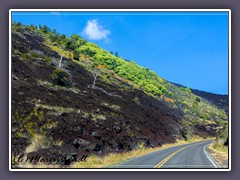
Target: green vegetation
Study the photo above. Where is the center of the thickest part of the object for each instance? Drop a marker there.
(61, 78)
(59, 110)
(81, 49)
(111, 106)
(187, 89)
(221, 142)
(198, 99)
(112, 69)
(31, 124)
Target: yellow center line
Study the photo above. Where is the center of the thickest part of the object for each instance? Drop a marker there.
(159, 165)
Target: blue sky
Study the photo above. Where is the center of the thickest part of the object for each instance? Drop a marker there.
(189, 48)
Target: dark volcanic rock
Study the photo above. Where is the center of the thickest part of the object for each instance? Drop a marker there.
(82, 124)
(80, 143)
(96, 134)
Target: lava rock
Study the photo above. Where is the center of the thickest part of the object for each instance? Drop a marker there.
(80, 143)
(96, 134)
(69, 158)
(118, 129)
(98, 147)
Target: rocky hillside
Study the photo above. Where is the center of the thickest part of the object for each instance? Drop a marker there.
(71, 97)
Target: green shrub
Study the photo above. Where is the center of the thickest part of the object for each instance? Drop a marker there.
(76, 55)
(31, 124)
(198, 99)
(195, 105)
(184, 103)
(186, 89)
(61, 78)
(29, 56)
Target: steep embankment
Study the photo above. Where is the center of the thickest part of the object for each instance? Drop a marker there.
(63, 104)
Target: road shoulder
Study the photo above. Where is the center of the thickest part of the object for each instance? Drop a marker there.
(220, 157)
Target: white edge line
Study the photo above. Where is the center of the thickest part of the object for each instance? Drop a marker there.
(10, 91)
(118, 10)
(216, 165)
(229, 91)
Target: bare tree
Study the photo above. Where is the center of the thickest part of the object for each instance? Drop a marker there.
(60, 62)
(96, 72)
(95, 76)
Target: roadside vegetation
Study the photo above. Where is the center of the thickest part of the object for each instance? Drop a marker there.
(112, 159)
(219, 149)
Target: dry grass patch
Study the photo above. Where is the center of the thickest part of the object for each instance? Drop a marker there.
(37, 142)
(220, 154)
(59, 110)
(38, 165)
(112, 159)
(56, 87)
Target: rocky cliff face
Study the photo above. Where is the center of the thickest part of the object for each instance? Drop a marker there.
(56, 109)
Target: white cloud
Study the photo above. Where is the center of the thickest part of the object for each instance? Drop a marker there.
(94, 31)
(55, 13)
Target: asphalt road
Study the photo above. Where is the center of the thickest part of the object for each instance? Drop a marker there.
(192, 155)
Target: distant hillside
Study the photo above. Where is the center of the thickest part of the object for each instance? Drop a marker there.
(221, 101)
(71, 96)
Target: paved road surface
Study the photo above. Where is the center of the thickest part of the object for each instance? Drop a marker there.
(192, 155)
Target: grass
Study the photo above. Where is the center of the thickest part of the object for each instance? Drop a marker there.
(57, 109)
(111, 106)
(220, 154)
(38, 142)
(41, 142)
(112, 159)
(220, 148)
(96, 117)
(56, 88)
(29, 165)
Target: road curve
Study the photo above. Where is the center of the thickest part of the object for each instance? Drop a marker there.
(192, 155)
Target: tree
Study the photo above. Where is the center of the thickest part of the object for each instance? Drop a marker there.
(70, 45)
(60, 62)
(54, 31)
(63, 37)
(95, 71)
(198, 99)
(76, 55)
(19, 24)
(53, 37)
(32, 27)
(44, 29)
